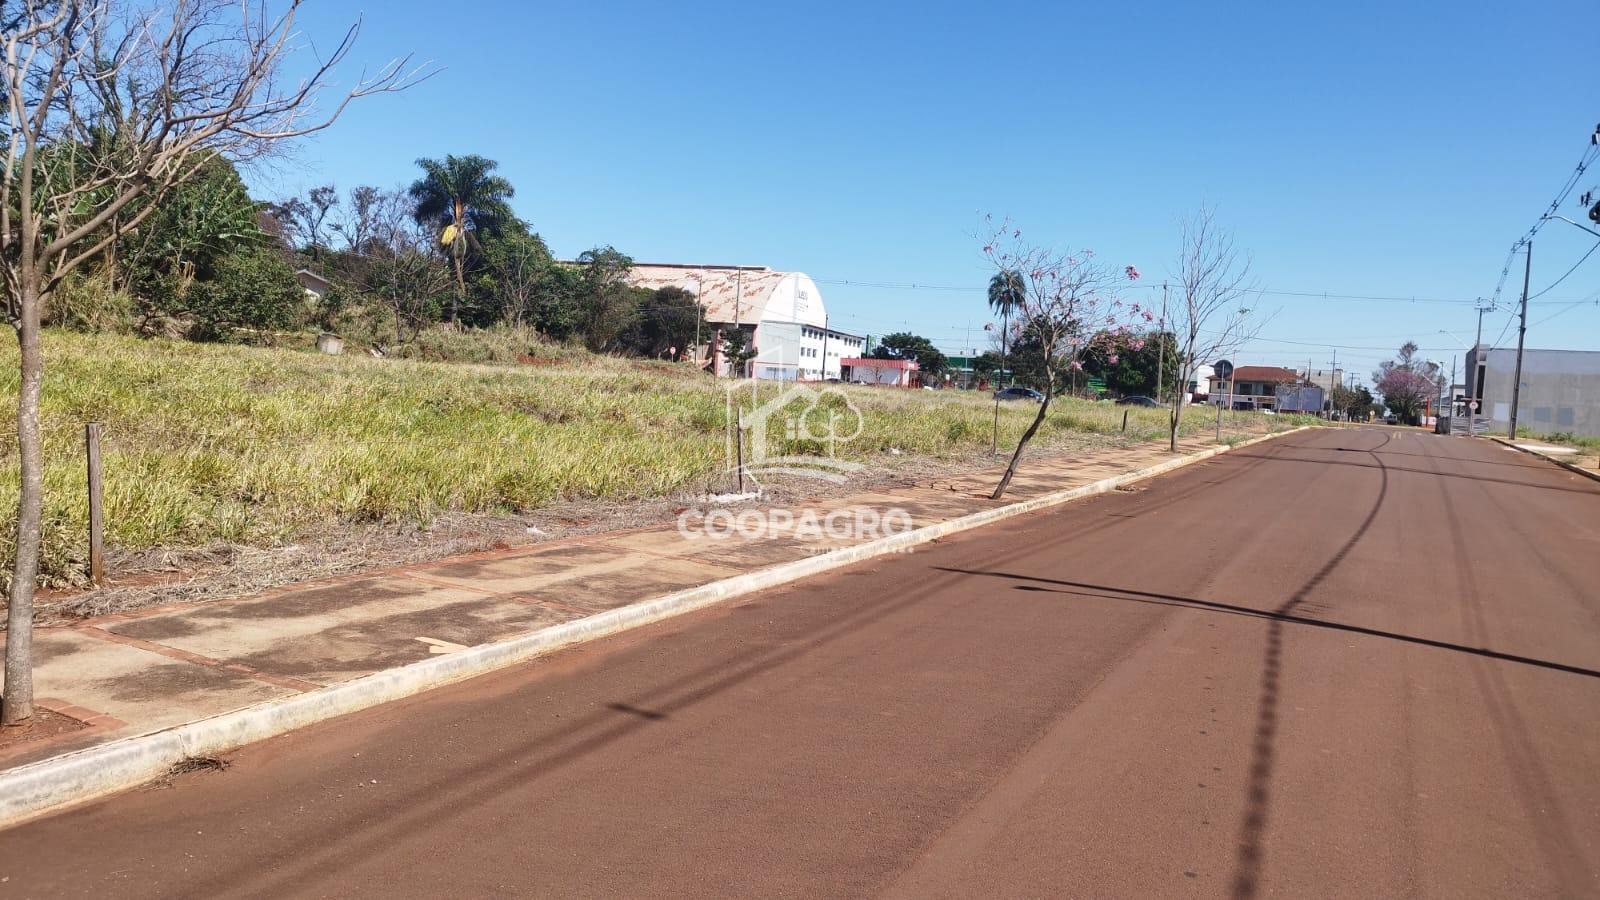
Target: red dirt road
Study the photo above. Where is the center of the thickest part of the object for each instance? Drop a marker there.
(1347, 662)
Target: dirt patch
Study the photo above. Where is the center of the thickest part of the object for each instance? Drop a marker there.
(43, 725)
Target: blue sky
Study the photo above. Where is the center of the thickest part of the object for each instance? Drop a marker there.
(1360, 148)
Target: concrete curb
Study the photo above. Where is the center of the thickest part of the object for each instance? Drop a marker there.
(44, 786)
(1595, 476)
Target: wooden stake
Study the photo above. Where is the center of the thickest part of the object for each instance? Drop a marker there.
(739, 442)
(97, 567)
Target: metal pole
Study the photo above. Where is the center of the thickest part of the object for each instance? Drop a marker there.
(97, 566)
(1522, 330)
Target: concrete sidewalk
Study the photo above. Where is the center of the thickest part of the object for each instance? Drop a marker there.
(130, 674)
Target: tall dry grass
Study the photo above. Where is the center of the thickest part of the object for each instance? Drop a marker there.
(207, 443)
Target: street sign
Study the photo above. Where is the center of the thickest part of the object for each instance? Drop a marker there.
(1223, 368)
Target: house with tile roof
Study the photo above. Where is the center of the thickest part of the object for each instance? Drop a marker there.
(1252, 387)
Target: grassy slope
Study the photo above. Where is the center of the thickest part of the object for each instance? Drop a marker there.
(208, 443)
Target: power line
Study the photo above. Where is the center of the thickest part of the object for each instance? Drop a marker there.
(1581, 261)
(1588, 157)
(1271, 292)
(1565, 311)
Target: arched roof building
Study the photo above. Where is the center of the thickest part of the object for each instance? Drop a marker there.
(782, 312)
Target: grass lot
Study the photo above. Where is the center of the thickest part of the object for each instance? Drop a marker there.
(210, 443)
(1588, 455)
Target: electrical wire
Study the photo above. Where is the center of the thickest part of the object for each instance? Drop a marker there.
(1581, 261)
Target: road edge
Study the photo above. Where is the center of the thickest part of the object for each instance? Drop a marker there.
(1594, 476)
(49, 785)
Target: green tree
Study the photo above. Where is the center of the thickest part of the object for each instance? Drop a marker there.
(460, 196)
(904, 345)
(664, 319)
(1356, 405)
(1132, 366)
(195, 229)
(254, 291)
(1007, 292)
(737, 348)
(607, 304)
(986, 364)
(513, 278)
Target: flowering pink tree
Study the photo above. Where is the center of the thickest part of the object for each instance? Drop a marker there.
(1407, 384)
(1068, 304)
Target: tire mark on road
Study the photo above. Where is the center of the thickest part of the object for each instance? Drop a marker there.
(1536, 792)
(1258, 792)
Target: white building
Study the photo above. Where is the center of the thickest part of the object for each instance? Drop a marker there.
(781, 313)
(1560, 389)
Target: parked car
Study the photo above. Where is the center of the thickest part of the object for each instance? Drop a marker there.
(1019, 393)
(1138, 400)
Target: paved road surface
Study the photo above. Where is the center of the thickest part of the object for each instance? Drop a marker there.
(1353, 663)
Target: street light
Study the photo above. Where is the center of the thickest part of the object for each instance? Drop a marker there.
(1572, 223)
(1470, 410)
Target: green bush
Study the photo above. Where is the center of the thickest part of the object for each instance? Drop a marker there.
(254, 294)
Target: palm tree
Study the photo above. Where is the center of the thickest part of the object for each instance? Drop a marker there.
(461, 196)
(1007, 290)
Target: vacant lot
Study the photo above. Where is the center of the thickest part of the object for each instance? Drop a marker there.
(209, 445)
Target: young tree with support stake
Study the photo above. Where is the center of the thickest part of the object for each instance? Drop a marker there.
(1208, 318)
(1069, 302)
(109, 105)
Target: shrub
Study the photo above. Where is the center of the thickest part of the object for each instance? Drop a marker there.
(254, 292)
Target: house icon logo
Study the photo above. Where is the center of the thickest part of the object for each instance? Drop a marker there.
(797, 418)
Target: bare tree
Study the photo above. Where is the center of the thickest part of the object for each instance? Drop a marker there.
(400, 262)
(305, 220)
(1068, 304)
(1209, 318)
(109, 104)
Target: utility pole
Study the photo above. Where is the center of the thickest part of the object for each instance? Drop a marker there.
(1452, 390)
(1522, 330)
(1475, 396)
(699, 313)
(825, 320)
(1333, 381)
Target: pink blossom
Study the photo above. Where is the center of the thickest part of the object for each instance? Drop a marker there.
(1112, 359)
(1133, 273)
(1138, 345)
(1077, 366)
(1149, 317)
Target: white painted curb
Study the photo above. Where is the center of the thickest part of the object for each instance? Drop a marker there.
(1593, 476)
(31, 790)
